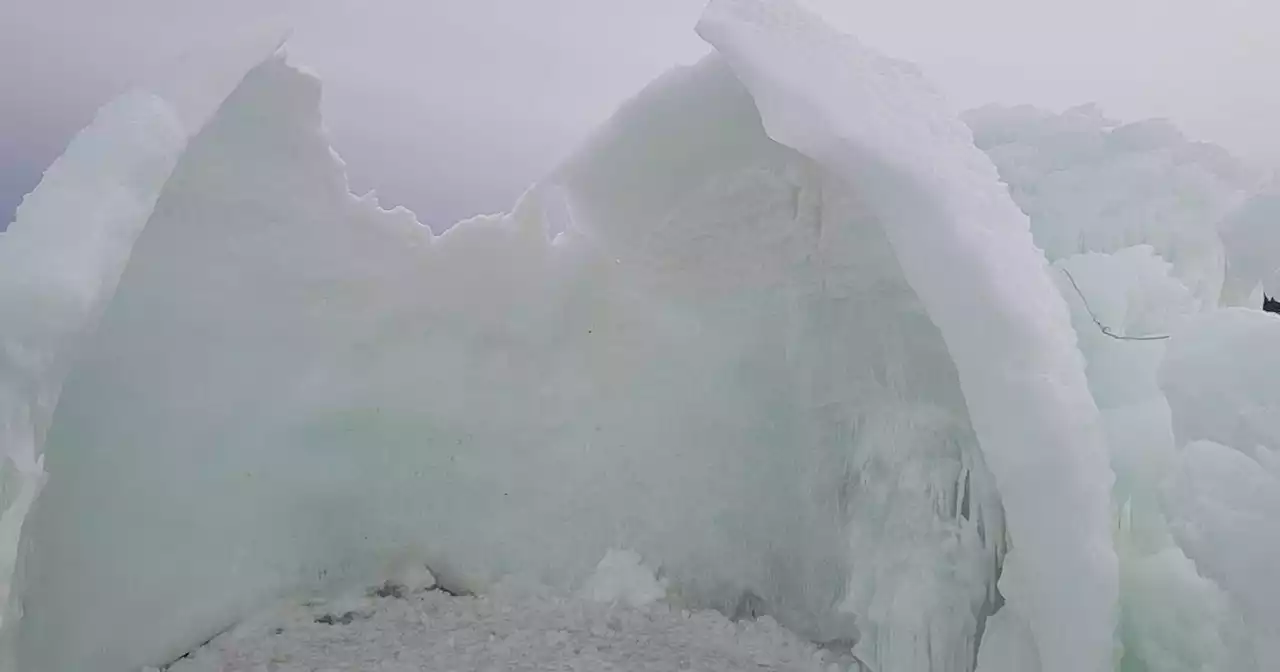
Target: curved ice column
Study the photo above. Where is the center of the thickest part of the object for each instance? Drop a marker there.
(719, 364)
(1090, 184)
(966, 250)
(63, 255)
(59, 264)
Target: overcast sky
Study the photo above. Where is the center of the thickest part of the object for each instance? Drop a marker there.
(452, 106)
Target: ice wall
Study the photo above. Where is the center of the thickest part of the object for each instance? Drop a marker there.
(62, 257)
(719, 364)
(796, 347)
(966, 249)
(59, 264)
(920, 514)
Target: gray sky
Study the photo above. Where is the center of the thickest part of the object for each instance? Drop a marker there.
(452, 106)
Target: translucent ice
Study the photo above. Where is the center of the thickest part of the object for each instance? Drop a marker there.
(292, 385)
(1092, 184)
(966, 250)
(1252, 237)
(59, 264)
(777, 327)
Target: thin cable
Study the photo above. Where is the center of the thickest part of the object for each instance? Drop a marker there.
(1102, 327)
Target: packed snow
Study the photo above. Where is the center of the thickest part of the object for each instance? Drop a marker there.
(393, 628)
(790, 365)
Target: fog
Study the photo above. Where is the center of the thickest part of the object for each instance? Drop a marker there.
(451, 107)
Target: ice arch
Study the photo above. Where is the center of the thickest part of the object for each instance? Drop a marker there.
(791, 303)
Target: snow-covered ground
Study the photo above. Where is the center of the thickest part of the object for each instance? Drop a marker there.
(433, 630)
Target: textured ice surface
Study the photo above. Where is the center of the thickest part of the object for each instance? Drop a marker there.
(1219, 377)
(1252, 236)
(1008, 644)
(1092, 184)
(793, 345)
(1131, 306)
(622, 577)
(1133, 294)
(1225, 511)
(62, 257)
(59, 264)
(718, 364)
(1142, 220)
(966, 250)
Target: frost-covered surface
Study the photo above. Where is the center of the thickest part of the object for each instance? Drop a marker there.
(794, 344)
(435, 631)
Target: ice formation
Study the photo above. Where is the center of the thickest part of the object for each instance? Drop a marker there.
(778, 329)
(1091, 184)
(59, 264)
(1249, 235)
(1163, 242)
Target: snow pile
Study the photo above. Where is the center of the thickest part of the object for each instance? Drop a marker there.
(622, 577)
(778, 327)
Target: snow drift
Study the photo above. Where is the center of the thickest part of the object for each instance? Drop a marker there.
(778, 327)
